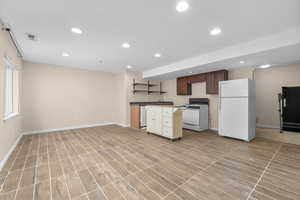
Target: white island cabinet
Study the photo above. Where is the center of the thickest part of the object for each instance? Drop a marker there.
(165, 121)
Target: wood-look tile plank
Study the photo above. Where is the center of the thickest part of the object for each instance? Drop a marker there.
(56, 170)
(59, 189)
(25, 193)
(87, 180)
(74, 185)
(162, 180)
(127, 190)
(169, 175)
(42, 191)
(184, 195)
(111, 192)
(141, 188)
(172, 196)
(43, 173)
(157, 188)
(31, 162)
(96, 195)
(8, 195)
(271, 193)
(28, 177)
(11, 181)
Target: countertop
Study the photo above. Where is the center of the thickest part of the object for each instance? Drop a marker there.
(143, 103)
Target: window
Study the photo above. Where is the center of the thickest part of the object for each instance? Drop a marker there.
(11, 105)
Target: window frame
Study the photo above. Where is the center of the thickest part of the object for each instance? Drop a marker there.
(9, 110)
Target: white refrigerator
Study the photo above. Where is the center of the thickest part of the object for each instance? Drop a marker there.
(237, 115)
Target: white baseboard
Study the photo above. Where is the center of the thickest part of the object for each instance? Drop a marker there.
(257, 126)
(69, 128)
(267, 126)
(123, 125)
(3, 161)
(214, 129)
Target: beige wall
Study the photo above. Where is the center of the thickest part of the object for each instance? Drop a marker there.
(59, 97)
(10, 129)
(268, 84)
(199, 91)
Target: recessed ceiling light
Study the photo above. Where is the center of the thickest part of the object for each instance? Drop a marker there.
(126, 45)
(242, 62)
(31, 36)
(157, 55)
(182, 6)
(216, 31)
(76, 30)
(265, 66)
(64, 54)
(128, 66)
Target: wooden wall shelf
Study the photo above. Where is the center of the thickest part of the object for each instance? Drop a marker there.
(147, 90)
(145, 84)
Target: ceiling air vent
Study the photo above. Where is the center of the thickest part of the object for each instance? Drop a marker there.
(31, 36)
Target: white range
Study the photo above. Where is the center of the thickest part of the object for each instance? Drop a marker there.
(195, 116)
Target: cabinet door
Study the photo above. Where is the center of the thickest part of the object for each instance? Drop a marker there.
(220, 76)
(154, 118)
(135, 116)
(158, 120)
(183, 86)
(212, 81)
(168, 132)
(150, 119)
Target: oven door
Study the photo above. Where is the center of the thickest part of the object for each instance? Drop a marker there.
(191, 117)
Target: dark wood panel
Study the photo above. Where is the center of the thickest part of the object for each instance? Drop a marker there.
(210, 83)
(184, 86)
(213, 79)
(197, 78)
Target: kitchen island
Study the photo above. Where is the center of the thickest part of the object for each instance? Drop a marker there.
(165, 121)
(138, 112)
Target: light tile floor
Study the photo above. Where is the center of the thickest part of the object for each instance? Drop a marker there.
(118, 163)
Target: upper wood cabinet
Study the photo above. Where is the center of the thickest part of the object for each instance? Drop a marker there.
(184, 84)
(212, 81)
(197, 78)
(184, 87)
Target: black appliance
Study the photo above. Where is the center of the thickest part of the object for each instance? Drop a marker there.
(290, 109)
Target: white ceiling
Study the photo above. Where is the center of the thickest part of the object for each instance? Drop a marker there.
(150, 26)
(277, 49)
(276, 57)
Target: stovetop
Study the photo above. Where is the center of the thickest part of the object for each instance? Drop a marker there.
(196, 103)
(195, 106)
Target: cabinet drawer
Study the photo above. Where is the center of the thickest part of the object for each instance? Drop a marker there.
(167, 121)
(168, 132)
(167, 111)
